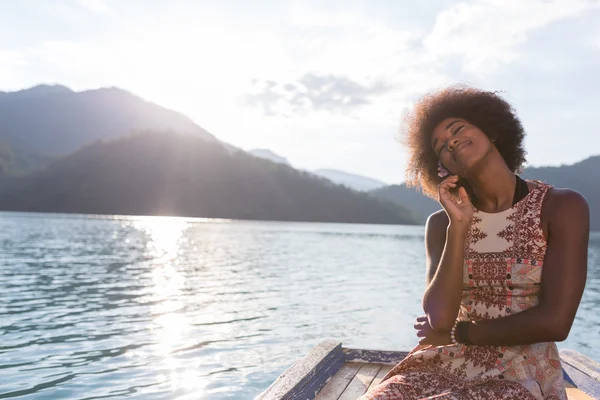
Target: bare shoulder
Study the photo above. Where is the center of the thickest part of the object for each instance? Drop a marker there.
(436, 225)
(435, 238)
(565, 199)
(437, 221)
(565, 206)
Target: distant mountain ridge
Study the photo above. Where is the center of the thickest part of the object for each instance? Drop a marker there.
(39, 90)
(183, 175)
(267, 154)
(580, 177)
(52, 120)
(46, 133)
(410, 198)
(353, 181)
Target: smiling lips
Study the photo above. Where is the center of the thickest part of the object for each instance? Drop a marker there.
(460, 146)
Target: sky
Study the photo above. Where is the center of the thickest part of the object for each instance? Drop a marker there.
(322, 83)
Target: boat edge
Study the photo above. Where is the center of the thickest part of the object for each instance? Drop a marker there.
(307, 376)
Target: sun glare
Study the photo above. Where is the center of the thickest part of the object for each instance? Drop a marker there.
(171, 328)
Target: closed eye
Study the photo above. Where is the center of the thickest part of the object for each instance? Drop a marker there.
(458, 129)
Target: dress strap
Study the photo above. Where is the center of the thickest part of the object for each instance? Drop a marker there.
(537, 195)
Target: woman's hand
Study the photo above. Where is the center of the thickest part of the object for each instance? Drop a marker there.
(430, 336)
(458, 207)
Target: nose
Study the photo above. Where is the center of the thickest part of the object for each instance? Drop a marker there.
(452, 144)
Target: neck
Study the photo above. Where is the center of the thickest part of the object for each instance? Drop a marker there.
(493, 186)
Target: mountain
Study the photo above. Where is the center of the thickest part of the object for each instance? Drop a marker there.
(18, 163)
(410, 198)
(53, 120)
(352, 181)
(267, 154)
(356, 182)
(580, 176)
(170, 174)
(39, 90)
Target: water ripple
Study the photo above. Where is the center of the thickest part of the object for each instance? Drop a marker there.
(163, 308)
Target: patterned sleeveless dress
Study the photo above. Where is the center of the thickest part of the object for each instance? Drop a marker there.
(504, 255)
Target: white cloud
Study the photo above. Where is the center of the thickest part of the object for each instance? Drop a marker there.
(11, 58)
(58, 9)
(205, 62)
(487, 34)
(72, 12)
(11, 63)
(313, 93)
(317, 14)
(99, 6)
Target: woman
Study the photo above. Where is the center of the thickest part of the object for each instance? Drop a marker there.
(506, 258)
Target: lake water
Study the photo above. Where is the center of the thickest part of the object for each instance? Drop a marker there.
(169, 308)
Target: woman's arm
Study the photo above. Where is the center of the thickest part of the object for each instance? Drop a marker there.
(563, 279)
(444, 245)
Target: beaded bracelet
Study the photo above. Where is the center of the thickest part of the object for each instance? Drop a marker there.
(453, 333)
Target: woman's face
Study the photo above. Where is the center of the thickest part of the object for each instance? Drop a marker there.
(459, 145)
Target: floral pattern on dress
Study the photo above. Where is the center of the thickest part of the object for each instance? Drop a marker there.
(504, 255)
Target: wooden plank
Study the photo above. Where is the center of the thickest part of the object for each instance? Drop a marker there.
(306, 377)
(360, 383)
(582, 372)
(582, 363)
(385, 368)
(577, 379)
(339, 382)
(374, 356)
(576, 394)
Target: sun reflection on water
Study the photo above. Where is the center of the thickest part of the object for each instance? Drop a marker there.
(171, 328)
(165, 236)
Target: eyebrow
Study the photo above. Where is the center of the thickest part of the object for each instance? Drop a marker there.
(452, 123)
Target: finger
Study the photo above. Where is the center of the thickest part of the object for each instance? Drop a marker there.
(463, 195)
(448, 185)
(447, 182)
(444, 191)
(453, 178)
(447, 198)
